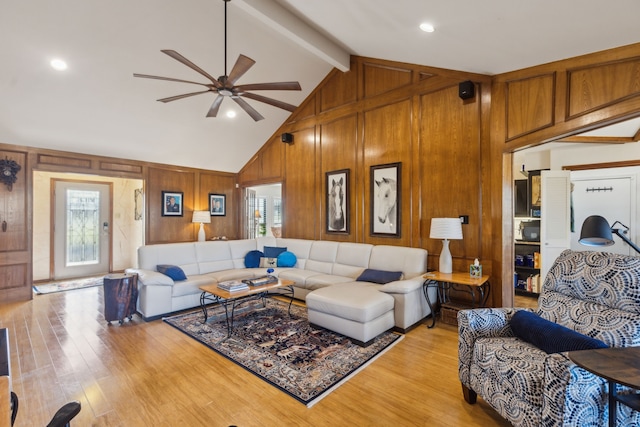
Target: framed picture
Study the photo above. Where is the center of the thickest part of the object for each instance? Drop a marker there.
(535, 185)
(217, 204)
(337, 197)
(172, 203)
(385, 200)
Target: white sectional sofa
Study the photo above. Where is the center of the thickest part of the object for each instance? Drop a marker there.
(320, 264)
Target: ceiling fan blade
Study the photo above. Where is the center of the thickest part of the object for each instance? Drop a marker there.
(186, 95)
(242, 65)
(248, 108)
(169, 79)
(175, 55)
(213, 111)
(270, 101)
(270, 86)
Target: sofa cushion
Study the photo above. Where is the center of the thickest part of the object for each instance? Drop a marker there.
(172, 271)
(379, 276)
(252, 259)
(548, 336)
(287, 259)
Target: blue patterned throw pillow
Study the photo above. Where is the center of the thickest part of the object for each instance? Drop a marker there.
(172, 271)
(549, 336)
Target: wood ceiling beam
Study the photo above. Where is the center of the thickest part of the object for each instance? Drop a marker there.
(600, 139)
(286, 23)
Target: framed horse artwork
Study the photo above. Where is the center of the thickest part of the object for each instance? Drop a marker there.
(385, 200)
(337, 197)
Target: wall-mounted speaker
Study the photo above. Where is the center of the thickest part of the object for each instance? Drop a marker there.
(466, 90)
(287, 138)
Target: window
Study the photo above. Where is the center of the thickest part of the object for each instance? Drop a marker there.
(277, 211)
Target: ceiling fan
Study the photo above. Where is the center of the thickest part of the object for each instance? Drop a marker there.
(225, 86)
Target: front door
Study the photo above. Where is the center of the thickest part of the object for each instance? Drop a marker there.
(82, 229)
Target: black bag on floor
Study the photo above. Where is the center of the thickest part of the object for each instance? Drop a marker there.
(120, 296)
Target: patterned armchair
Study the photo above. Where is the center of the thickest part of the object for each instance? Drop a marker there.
(594, 293)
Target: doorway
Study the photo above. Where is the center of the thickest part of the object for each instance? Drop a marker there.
(82, 228)
(264, 210)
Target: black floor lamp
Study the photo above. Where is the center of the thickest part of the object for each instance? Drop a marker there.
(597, 232)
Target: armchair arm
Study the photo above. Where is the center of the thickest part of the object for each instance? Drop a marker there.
(403, 286)
(572, 395)
(480, 323)
(150, 277)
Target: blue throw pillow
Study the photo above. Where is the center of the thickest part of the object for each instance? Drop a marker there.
(548, 336)
(252, 259)
(379, 276)
(273, 251)
(287, 259)
(172, 271)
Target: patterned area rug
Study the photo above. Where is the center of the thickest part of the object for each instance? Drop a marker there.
(67, 285)
(305, 362)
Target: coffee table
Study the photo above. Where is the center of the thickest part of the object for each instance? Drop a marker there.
(212, 294)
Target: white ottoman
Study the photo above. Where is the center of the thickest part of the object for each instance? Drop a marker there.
(356, 309)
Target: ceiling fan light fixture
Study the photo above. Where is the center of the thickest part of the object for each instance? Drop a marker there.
(427, 28)
(231, 114)
(225, 85)
(58, 64)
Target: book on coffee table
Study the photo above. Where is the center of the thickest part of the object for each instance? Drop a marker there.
(233, 285)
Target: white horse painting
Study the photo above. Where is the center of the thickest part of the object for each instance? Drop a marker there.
(336, 205)
(385, 200)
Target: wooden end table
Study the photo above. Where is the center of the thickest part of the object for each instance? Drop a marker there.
(618, 365)
(212, 294)
(477, 287)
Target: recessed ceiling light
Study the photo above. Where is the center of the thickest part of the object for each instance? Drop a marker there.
(427, 28)
(231, 114)
(58, 64)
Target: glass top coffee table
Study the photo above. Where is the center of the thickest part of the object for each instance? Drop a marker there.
(230, 300)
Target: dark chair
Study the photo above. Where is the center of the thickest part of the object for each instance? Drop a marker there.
(62, 418)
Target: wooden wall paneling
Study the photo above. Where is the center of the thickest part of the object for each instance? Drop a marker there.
(593, 87)
(377, 78)
(452, 177)
(15, 242)
(339, 89)
(219, 183)
(530, 104)
(301, 194)
(387, 139)
(338, 145)
(165, 229)
(251, 171)
(271, 159)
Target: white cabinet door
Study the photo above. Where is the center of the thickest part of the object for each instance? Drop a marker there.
(555, 217)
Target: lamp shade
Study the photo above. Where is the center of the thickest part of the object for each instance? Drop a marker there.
(257, 214)
(446, 228)
(596, 232)
(201, 217)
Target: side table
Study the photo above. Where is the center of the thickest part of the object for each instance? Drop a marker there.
(618, 365)
(477, 288)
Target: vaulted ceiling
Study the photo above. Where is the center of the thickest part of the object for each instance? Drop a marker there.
(97, 107)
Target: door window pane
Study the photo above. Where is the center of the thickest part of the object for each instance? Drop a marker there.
(83, 227)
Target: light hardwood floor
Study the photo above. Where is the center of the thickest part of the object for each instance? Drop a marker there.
(150, 374)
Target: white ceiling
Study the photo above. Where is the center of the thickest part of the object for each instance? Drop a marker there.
(98, 107)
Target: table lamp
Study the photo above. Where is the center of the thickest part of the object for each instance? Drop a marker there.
(446, 229)
(203, 217)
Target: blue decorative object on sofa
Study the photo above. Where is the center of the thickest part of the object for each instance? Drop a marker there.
(379, 276)
(273, 251)
(252, 259)
(172, 271)
(549, 336)
(287, 259)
